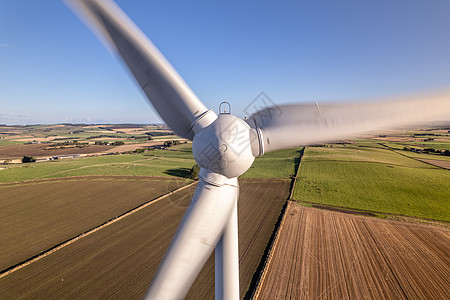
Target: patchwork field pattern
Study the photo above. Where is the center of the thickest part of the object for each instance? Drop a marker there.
(320, 254)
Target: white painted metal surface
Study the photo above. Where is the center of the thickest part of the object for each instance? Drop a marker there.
(224, 147)
(227, 261)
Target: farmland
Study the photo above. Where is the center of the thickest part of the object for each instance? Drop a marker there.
(48, 203)
(322, 254)
(152, 163)
(63, 139)
(279, 164)
(437, 138)
(120, 260)
(37, 150)
(38, 215)
(423, 156)
(174, 162)
(437, 162)
(373, 179)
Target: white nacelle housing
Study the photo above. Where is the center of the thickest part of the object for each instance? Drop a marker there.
(224, 147)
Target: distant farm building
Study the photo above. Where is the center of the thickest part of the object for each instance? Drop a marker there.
(65, 156)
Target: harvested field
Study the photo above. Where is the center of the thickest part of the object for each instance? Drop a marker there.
(39, 139)
(440, 163)
(37, 215)
(132, 147)
(323, 254)
(37, 150)
(131, 130)
(120, 260)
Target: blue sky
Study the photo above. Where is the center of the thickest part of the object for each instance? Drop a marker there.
(53, 69)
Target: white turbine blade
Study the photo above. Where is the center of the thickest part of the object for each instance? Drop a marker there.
(197, 236)
(226, 265)
(175, 102)
(288, 126)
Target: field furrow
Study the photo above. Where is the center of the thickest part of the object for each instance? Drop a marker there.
(345, 256)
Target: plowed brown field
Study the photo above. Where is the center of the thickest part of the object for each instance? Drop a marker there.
(330, 255)
(38, 215)
(118, 261)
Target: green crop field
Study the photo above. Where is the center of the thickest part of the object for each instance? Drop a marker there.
(369, 143)
(7, 142)
(152, 163)
(280, 164)
(360, 154)
(126, 164)
(373, 179)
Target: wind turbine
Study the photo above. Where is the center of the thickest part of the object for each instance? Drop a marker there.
(225, 146)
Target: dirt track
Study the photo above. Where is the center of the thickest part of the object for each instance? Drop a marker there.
(322, 254)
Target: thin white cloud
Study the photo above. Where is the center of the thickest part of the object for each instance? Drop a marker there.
(5, 45)
(6, 118)
(13, 116)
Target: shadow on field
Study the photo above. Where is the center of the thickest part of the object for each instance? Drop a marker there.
(298, 159)
(180, 172)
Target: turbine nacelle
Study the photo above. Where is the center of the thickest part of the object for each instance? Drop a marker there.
(224, 147)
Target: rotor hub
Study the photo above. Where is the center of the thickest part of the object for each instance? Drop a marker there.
(224, 146)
